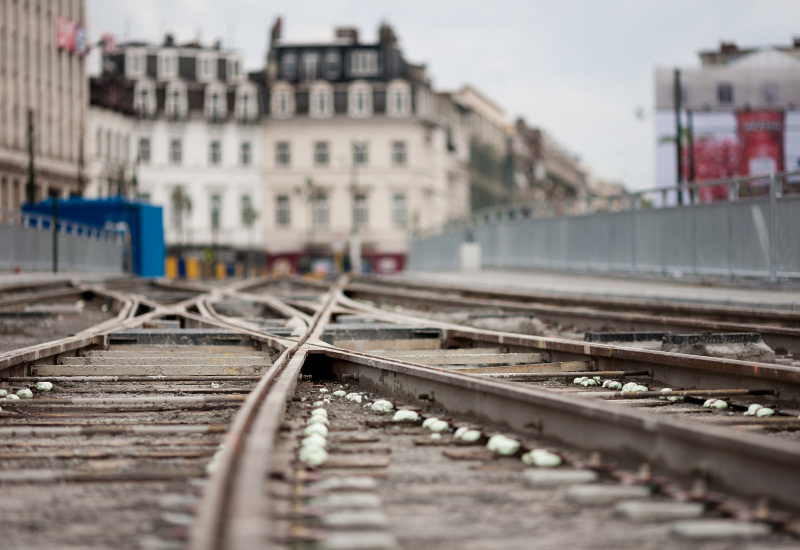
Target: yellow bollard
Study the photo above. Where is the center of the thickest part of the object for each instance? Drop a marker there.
(221, 270)
(172, 267)
(192, 269)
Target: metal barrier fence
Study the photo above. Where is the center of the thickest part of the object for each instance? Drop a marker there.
(755, 232)
(26, 242)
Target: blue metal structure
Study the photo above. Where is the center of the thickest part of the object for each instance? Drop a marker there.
(141, 221)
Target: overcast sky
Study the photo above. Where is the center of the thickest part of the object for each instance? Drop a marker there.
(578, 68)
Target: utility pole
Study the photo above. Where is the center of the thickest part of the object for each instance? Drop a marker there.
(54, 196)
(678, 132)
(355, 239)
(30, 188)
(690, 144)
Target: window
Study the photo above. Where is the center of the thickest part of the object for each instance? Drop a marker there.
(283, 102)
(289, 66)
(359, 211)
(399, 153)
(175, 104)
(216, 212)
(310, 61)
(214, 111)
(320, 211)
(282, 211)
(399, 217)
(282, 154)
(322, 102)
(249, 213)
(359, 153)
(321, 153)
(399, 99)
(725, 92)
(245, 109)
(332, 65)
(246, 154)
(144, 101)
(214, 153)
(364, 62)
(361, 102)
(167, 65)
(175, 151)
(144, 150)
(234, 69)
(206, 67)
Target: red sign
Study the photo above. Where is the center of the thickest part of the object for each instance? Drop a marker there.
(70, 36)
(761, 139)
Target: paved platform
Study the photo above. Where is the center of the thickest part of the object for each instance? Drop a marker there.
(744, 292)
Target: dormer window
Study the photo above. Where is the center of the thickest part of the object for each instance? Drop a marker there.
(282, 101)
(134, 63)
(206, 67)
(364, 63)
(246, 108)
(234, 69)
(321, 98)
(144, 98)
(360, 100)
(289, 66)
(167, 65)
(176, 101)
(216, 106)
(398, 95)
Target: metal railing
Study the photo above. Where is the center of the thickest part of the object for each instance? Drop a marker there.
(26, 242)
(746, 226)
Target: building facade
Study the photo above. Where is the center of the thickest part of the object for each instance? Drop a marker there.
(355, 153)
(739, 110)
(42, 80)
(195, 143)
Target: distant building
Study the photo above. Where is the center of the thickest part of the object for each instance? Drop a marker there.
(740, 109)
(354, 146)
(42, 71)
(195, 145)
(543, 169)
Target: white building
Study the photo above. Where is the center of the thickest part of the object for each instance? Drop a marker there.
(355, 151)
(42, 71)
(741, 110)
(195, 145)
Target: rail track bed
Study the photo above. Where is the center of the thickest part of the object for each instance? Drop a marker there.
(180, 420)
(115, 453)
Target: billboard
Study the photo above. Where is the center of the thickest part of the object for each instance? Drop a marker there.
(726, 144)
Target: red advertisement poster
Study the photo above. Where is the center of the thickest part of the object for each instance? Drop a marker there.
(761, 138)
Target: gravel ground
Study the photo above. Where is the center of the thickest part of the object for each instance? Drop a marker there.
(23, 331)
(433, 501)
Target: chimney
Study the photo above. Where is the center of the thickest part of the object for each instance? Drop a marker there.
(796, 42)
(348, 35)
(169, 40)
(728, 47)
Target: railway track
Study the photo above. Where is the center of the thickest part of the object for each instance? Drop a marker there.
(250, 362)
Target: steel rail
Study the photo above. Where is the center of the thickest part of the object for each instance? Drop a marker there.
(746, 463)
(584, 300)
(673, 368)
(234, 509)
(775, 336)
